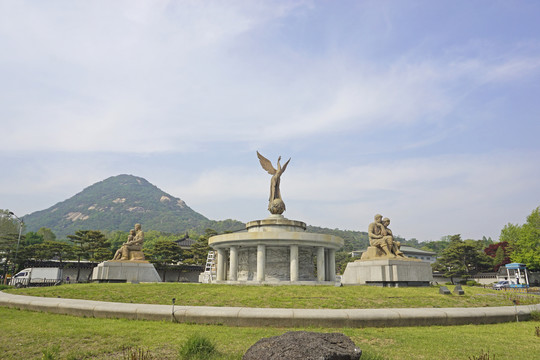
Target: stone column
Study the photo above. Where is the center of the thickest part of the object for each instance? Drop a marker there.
(261, 262)
(332, 264)
(326, 265)
(220, 265)
(320, 264)
(234, 263)
(294, 263)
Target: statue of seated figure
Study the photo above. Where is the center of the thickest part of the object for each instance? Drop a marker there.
(395, 245)
(132, 248)
(382, 241)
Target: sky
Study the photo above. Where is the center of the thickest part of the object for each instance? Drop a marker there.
(426, 112)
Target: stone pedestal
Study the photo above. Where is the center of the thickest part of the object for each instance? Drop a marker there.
(125, 271)
(388, 272)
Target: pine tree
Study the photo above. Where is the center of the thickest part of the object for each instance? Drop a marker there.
(199, 251)
(91, 245)
(462, 258)
(165, 252)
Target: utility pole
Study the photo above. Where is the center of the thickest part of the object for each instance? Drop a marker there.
(21, 223)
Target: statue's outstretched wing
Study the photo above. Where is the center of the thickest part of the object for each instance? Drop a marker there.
(285, 166)
(266, 164)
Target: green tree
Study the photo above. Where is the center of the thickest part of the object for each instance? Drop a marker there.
(486, 241)
(499, 257)
(525, 248)
(198, 252)
(342, 259)
(436, 246)
(500, 254)
(91, 245)
(35, 251)
(510, 233)
(411, 242)
(9, 238)
(462, 258)
(31, 238)
(46, 234)
(165, 252)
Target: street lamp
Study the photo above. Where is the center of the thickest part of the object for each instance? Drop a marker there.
(21, 223)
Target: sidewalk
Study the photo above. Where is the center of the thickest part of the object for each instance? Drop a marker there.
(260, 317)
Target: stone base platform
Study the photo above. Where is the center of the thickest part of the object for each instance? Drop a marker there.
(125, 271)
(388, 272)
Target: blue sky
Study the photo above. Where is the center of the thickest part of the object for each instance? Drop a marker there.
(424, 111)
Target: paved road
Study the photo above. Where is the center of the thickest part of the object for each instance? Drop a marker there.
(241, 316)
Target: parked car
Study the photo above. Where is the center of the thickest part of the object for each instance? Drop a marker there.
(501, 284)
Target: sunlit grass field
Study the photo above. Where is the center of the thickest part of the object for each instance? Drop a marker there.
(305, 297)
(34, 335)
(26, 335)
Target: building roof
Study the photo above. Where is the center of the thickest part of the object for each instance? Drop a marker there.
(185, 242)
(411, 250)
(408, 250)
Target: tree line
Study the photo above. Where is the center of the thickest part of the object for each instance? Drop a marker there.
(463, 258)
(456, 257)
(91, 245)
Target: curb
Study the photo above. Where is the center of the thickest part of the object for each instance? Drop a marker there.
(260, 317)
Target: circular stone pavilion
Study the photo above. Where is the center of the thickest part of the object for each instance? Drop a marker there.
(275, 249)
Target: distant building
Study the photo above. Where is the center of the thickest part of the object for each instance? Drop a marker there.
(185, 242)
(428, 256)
(424, 255)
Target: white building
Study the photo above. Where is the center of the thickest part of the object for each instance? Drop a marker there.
(424, 255)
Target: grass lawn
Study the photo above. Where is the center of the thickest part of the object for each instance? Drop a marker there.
(25, 335)
(307, 297)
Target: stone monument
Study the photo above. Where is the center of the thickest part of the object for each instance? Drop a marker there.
(381, 241)
(128, 263)
(276, 205)
(384, 264)
(276, 249)
(132, 248)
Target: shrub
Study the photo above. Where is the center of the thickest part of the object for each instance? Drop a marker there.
(197, 347)
(472, 283)
(535, 315)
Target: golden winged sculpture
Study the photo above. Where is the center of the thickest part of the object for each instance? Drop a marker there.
(275, 202)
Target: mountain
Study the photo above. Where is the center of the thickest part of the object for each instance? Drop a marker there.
(118, 203)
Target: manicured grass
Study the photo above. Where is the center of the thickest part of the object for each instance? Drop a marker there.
(307, 297)
(25, 335)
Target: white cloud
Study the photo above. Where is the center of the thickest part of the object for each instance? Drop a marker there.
(97, 83)
(173, 77)
(426, 198)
